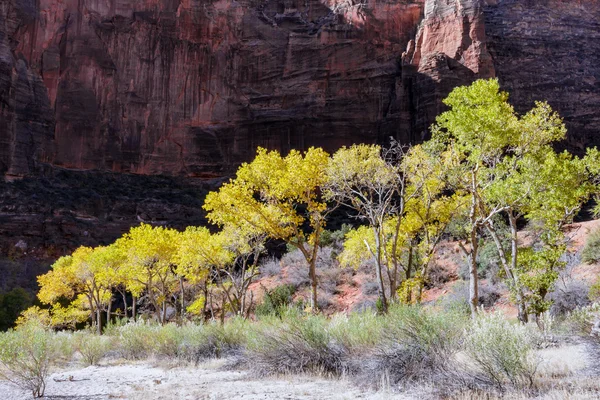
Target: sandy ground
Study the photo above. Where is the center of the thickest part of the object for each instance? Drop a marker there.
(572, 360)
(144, 381)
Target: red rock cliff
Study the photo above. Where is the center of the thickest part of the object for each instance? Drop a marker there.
(191, 87)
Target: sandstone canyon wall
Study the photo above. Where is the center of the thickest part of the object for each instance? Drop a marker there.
(191, 87)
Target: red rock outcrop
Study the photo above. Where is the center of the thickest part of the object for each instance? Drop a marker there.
(550, 50)
(191, 87)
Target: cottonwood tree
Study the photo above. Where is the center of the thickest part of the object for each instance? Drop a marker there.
(547, 189)
(361, 178)
(428, 212)
(150, 263)
(247, 248)
(279, 197)
(507, 166)
(476, 131)
(407, 211)
(78, 278)
(199, 253)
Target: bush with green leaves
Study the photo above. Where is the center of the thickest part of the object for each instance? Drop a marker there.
(594, 291)
(25, 357)
(581, 320)
(502, 351)
(591, 251)
(135, 340)
(189, 342)
(91, 346)
(275, 300)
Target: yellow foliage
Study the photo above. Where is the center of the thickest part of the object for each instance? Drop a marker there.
(197, 306)
(35, 315)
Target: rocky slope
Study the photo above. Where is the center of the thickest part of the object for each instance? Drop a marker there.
(191, 87)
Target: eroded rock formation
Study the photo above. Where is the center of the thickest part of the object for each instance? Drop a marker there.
(191, 87)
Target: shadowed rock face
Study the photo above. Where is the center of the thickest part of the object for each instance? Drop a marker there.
(192, 87)
(550, 50)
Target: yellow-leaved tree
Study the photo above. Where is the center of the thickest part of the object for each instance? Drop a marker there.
(199, 253)
(399, 192)
(279, 197)
(80, 278)
(150, 265)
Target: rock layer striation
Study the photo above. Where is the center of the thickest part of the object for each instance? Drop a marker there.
(192, 87)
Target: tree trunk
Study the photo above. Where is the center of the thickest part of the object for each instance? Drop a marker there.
(311, 259)
(124, 304)
(98, 321)
(511, 270)
(108, 310)
(313, 283)
(134, 308)
(473, 278)
(92, 312)
(522, 313)
(377, 256)
(182, 289)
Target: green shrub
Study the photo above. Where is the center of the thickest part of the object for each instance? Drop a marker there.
(25, 356)
(591, 251)
(502, 351)
(135, 340)
(92, 347)
(594, 292)
(166, 340)
(358, 332)
(275, 300)
(581, 320)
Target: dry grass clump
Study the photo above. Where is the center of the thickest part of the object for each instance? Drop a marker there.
(415, 345)
(582, 320)
(295, 344)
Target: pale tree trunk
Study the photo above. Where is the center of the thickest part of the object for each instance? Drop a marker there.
(473, 277)
(377, 256)
(311, 260)
(98, 321)
(511, 270)
(124, 296)
(92, 312)
(182, 289)
(108, 310)
(523, 317)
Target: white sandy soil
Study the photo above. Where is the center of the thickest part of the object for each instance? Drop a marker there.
(146, 382)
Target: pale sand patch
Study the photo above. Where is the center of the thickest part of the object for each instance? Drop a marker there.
(146, 382)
